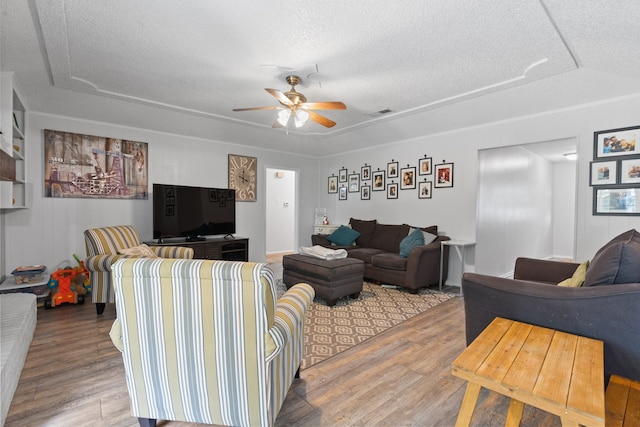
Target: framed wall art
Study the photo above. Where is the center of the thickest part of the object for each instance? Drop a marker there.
(616, 201)
(408, 180)
(444, 175)
(365, 172)
(342, 193)
(378, 181)
(424, 190)
(89, 166)
(354, 183)
(424, 166)
(342, 175)
(392, 191)
(603, 173)
(616, 142)
(332, 185)
(365, 192)
(630, 171)
(392, 169)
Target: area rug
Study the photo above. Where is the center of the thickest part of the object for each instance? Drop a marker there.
(331, 330)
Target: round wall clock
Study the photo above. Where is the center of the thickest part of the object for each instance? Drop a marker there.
(242, 177)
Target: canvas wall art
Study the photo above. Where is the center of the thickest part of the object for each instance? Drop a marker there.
(94, 166)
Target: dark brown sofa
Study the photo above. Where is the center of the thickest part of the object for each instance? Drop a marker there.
(606, 307)
(379, 247)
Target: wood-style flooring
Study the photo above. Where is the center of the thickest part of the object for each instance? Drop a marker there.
(74, 376)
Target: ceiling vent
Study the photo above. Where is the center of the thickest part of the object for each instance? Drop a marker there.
(380, 112)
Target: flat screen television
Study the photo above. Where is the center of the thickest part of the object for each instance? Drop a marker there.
(192, 212)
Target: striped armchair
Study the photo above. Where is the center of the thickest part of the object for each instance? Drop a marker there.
(205, 341)
(103, 244)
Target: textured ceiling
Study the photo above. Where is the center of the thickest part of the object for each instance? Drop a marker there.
(204, 58)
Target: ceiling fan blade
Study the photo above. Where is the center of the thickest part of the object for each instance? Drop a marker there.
(273, 107)
(279, 96)
(322, 120)
(276, 125)
(323, 106)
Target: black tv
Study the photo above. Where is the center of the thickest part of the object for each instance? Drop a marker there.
(193, 212)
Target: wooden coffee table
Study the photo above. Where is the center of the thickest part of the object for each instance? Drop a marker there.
(554, 371)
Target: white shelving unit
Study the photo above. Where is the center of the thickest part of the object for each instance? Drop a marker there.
(13, 194)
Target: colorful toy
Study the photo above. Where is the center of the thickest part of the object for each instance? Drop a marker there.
(82, 269)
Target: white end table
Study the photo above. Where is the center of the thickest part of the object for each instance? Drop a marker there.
(461, 249)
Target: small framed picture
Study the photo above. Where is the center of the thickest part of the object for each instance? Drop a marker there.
(424, 166)
(392, 170)
(630, 171)
(365, 173)
(444, 175)
(213, 195)
(424, 190)
(354, 183)
(378, 181)
(365, 192)
(342, 194)
(616, 142)
(342, 175)
(392, 191)
(332, 185)
(604, 173)
(616, 201)
(408, 180)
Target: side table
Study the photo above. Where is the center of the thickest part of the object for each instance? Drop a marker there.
(460, 246)
(325, 229)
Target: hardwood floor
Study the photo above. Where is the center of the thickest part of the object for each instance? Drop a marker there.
(74, 376)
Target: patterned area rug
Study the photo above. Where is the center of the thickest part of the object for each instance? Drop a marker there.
(331, 330)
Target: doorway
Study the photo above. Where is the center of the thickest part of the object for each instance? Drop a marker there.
(526, 204)
(281, 212)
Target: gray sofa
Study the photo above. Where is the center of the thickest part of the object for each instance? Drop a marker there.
(379, 247)
(606, 307)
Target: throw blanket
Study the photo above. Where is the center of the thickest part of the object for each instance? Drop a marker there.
(324, 253)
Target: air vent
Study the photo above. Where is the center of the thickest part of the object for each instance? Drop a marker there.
(380, 112)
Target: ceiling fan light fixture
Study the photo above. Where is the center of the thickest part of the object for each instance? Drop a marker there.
(300, 118)
(283, 116)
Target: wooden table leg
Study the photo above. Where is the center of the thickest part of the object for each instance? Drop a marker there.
(516, 408)
(468, 404)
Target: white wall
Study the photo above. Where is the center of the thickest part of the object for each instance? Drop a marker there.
(514, 208)
(52, 229)
(454, 209)
(564, 209)
(281, 210)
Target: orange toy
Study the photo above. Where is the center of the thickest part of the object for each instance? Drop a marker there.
(62, 293)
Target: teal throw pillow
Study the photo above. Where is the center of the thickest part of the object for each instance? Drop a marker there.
(415, 238)
(343, 236)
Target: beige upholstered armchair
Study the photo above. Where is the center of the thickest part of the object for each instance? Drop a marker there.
(104, 246)
(206, 341)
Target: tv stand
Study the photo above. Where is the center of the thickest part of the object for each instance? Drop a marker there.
(222, 248)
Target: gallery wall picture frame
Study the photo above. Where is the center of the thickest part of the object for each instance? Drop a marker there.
(424, 166)
(392, 190)
(392, 169)
(365, 172)
(332, 185)
(365, 192)
(603, 172)
(444, 175)
(616, 142)
(342, 193)
(342, 175)
(378, 181)
(616, 201)
(408, 178)
(630, 171)
(354, 183)
(425, 189)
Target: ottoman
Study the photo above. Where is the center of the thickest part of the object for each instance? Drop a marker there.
(331, 280)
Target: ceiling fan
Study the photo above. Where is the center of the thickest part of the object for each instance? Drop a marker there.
(294, 106)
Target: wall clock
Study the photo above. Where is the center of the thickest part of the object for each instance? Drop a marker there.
(242, 177)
